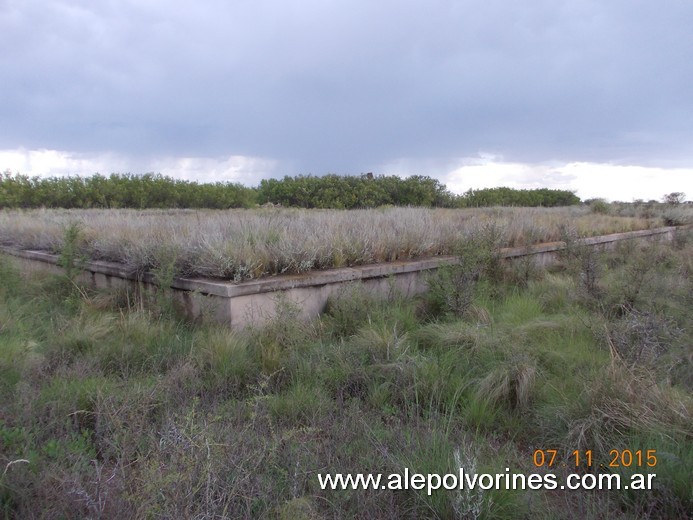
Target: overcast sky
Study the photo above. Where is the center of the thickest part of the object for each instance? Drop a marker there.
(595, 96)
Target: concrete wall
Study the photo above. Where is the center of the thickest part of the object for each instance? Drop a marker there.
(255, 302)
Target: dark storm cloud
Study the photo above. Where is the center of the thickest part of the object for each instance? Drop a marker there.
(343, 86)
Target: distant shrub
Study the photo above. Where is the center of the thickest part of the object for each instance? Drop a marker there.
(600, 206)
(674, 198)
(677, 216)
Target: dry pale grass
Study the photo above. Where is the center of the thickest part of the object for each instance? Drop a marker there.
(628, 398)
(244, 244)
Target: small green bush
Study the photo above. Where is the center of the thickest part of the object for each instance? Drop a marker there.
(453, 288)
(600, 206)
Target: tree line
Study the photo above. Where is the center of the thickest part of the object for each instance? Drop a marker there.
(304, 191)
(120, 191)
(513, 197)
(349, 192)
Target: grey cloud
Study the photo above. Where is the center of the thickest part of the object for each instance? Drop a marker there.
(342, 86)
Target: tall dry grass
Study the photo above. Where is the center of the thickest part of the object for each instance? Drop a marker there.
(244, 244)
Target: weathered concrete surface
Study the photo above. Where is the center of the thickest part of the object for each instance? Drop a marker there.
(255, 301)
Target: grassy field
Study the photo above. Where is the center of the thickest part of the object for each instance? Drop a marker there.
(243, 244)
(110, 408)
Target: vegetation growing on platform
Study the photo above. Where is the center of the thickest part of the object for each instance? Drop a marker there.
(243, 244)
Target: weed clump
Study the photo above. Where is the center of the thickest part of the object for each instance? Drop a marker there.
(453, 288)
